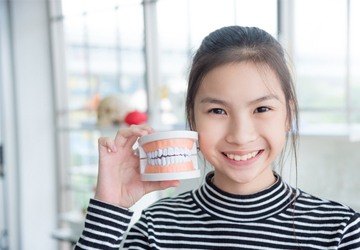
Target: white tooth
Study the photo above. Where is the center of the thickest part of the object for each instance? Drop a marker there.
(243, 158)
(165, 152)
(231, 156)
(153, 154)
(170, 151)
(163, 161)
(152, 162)
(158, 161)
(177, 159)
(182, 159)
(168, 161)
(177, 151)
(237, 157)
(172, 160)
(188, 152)
(160, 152)
(148, 155)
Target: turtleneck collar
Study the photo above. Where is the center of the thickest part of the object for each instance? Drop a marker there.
(244, 208)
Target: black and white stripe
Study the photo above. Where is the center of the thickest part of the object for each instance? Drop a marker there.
(279, 217)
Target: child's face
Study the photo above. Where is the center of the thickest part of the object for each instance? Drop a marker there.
(240, 111)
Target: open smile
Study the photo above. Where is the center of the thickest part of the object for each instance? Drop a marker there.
(245, 158)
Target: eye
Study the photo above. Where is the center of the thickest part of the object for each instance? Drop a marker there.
(217, 111)
(262, 109)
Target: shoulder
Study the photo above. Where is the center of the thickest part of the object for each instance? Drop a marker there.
(307, 203)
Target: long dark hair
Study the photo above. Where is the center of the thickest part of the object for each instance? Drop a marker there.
(239, 44)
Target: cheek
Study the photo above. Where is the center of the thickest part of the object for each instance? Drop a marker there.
(276, 133)
(209, 133)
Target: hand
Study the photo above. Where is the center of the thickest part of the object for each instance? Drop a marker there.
(119, 180)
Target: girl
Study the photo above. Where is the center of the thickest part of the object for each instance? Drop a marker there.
(241, 101)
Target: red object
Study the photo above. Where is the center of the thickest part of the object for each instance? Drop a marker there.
(135, 117)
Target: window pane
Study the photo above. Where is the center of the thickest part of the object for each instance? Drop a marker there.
(355, 55)
(182, 25)
(248, 13)
(320, 53)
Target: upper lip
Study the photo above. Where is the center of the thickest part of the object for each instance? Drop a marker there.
(241, 152)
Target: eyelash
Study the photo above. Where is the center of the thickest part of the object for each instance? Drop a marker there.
(257, 110)
(262, 107)
(212, 111)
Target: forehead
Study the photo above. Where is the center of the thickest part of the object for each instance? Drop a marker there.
(245, 80)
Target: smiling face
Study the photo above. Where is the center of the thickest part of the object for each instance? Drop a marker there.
(240, 115)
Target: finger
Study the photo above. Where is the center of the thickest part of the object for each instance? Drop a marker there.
(106, 143)
(132, 133)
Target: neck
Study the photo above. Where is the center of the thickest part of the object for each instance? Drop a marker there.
(244, 186)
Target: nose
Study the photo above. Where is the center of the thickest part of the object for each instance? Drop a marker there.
(241, 131)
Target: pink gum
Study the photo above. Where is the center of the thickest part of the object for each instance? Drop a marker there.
(170, 169)
(178, 142)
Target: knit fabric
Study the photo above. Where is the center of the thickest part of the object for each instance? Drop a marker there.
(279, 217)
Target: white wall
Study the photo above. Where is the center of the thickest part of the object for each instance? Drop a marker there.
(329, 167)
(31, 109)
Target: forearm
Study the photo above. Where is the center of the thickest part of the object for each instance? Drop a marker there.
(105, 226)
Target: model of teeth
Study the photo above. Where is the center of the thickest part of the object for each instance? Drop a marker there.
(169, 156)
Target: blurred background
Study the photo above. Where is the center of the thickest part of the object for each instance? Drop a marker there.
(68, 66)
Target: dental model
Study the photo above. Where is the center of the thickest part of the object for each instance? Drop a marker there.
(168, 155)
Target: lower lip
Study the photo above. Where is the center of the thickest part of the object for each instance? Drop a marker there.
(244, 163)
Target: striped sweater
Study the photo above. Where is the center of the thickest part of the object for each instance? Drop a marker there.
(279, 217)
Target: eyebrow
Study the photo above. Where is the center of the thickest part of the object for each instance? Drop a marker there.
(225, 103)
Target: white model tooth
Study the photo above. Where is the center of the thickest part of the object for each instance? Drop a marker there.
(182, 159)
(172, 159)
(168, 161)
(170, 151)
(165, 152)
(163, 161)
(160, 152)
(158, 161)
(176, 150)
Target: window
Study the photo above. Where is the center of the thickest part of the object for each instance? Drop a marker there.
(182, 24)
(325, 58)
